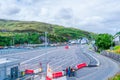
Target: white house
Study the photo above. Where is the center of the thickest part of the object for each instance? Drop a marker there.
(117, 40)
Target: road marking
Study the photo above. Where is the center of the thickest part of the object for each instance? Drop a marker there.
(98, 62)
(84, 51)
(37, 57)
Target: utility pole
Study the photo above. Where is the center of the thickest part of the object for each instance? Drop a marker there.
(46, 43)
(111, 43)
(13, 41)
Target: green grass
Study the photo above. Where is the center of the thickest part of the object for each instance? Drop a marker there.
(116, 49)
(6, 34)
(116, 77)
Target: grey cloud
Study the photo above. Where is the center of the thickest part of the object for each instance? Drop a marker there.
(12, 11)
(32, 2)
(65, 13)
(26, 2)
(113, 17)
(0, 5)
(64, 16)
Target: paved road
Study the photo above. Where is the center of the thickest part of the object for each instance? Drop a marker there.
(60, 58)
(106, 69)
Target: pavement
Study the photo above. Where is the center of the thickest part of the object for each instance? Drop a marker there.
(70, 78)
(60, 58)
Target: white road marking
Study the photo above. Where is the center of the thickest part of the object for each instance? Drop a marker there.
(37, 57)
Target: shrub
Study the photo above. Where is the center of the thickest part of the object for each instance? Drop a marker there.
(117, 47)
(116, 77)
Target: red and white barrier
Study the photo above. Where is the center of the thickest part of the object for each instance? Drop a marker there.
(52, 75)
(38, 70)
(49, 73)
(66, 47)
(79, 66)
(48, 78)
(57, 74)
(29, 71)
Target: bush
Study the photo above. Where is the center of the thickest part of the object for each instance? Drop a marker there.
(117, 49)
(116, 77)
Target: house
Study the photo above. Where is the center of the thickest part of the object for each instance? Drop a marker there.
(84, 40)
(117, 40)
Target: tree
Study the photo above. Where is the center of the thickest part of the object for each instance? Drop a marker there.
(104, 41)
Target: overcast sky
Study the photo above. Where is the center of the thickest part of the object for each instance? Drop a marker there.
(100, 16)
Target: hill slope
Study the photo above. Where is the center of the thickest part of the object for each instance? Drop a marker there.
(56, 33)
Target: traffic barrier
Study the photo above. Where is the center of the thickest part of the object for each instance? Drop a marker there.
(38, 70)
(79, 66)
(49, 73)
(48, 78)
(29, 71)
(57, 74)
(66, 47)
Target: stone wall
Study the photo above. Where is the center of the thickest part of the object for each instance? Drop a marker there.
(111, 55)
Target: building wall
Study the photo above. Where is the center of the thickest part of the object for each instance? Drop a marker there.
(2, 73)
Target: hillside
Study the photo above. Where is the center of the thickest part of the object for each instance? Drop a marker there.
(28, 30)
(24, 26)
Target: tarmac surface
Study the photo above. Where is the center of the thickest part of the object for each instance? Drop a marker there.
(60, 58)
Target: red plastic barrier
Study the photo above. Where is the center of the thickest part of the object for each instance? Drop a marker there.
(66, 47)
(28, 71)
(57, 74)
(79, 66)
(48, 78)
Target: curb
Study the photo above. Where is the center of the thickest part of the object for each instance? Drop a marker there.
(93, 58)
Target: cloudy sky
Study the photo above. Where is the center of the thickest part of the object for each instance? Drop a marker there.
(100, 16)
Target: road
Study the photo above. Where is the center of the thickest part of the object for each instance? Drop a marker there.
(60, 58)
(106, 69)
